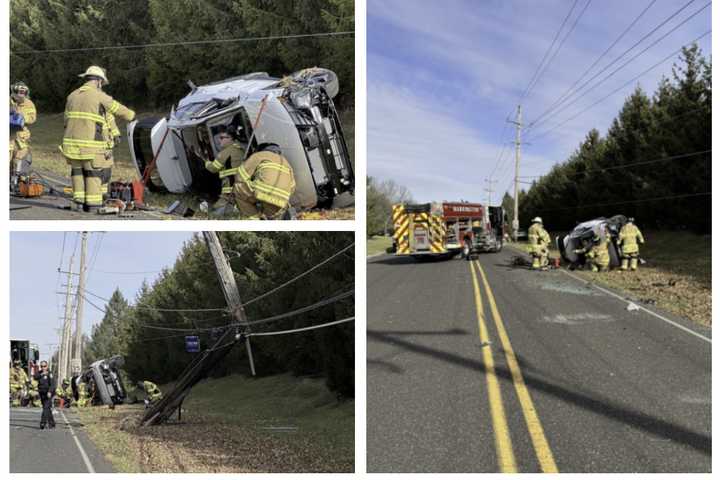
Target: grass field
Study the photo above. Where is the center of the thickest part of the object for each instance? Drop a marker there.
(234, 424)
(378, 244)
(676, 277)
(47, 135)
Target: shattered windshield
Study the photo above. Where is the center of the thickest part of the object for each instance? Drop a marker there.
(198, 109)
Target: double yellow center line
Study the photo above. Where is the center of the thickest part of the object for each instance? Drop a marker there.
(503, 442)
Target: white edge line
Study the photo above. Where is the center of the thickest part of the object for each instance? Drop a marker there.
(688, 330)
(84, 455)
(613, 294)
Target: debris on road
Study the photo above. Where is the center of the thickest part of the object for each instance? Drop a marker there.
(632, 307)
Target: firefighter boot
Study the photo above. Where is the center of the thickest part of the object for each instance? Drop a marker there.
(624, 264)
(78, 187)
(633, 263)
(536, 262)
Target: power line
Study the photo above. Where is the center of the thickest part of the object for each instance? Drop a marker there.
(568, 102)
(620, 88)
(627, 165)
(303, 329)
(274, 318)
(294, 279)
(173, 44)
(602, 55)
(126, 273)
(526, 92)
(163, 309)
(562, 42)
(628, 202)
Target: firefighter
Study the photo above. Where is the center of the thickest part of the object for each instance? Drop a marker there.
(82, 394)
(152, 392)
(629, 238)
(231, 155)
(18, 381)
(261, 185)
(34, 394)
(20, 158)
(539, 240)
(46, 388)
(597, 253)
(64, 393)
(84, 145)
(111, 134)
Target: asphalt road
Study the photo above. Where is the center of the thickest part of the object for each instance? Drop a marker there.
(65, 449)
(497, 368)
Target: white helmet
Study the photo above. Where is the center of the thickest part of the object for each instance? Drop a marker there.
(536, 220)
(95, 72)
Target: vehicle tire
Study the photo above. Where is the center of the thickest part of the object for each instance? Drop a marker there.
(498, 247)
(467, 250)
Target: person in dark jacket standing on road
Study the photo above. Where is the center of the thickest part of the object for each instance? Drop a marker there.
(46, 387)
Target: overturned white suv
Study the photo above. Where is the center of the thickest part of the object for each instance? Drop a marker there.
(296, 113)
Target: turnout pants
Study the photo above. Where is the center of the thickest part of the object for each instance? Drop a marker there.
(47, 415)
(87, 178)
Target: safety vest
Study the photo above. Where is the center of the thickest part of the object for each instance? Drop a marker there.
(86, 123)
(264, 177)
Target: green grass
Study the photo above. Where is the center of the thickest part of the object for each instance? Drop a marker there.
(235, 408)
(677, 276)
(378, 244)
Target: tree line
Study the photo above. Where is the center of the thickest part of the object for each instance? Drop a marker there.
(149, 78)
(654, 163)
(261, 261)
(381, 195)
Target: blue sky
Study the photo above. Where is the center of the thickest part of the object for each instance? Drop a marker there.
(35, 308)
(443, 77)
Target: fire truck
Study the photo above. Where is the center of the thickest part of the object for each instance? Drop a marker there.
(28, 354)
(444, 229)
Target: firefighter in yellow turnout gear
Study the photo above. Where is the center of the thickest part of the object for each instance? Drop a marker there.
(20, 158)
(629, 238)
(85, 144)
(539, 241)
(152, 392)
(261, 185)
(597, 253)
(18, 381)
(83, 398)
(34, 394)
(64, 392)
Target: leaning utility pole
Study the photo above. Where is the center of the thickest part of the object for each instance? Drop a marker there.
(229, 287)
(77, 353)
(489, 189)
(518, 126)
(64, 347)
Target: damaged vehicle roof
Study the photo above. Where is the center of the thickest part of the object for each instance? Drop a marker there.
(296, 113)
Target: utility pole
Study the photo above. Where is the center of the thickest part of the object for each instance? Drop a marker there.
(64, 347)
(229, 287)
(77, 354)
(489, 189)
(518, 127)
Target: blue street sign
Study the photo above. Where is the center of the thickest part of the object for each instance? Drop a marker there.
(192, 344)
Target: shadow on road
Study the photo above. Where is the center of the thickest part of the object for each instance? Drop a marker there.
(407, 260)
(605, 407)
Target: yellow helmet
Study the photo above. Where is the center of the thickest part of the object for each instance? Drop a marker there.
(476, 223)
(95, 71)
(537, 220)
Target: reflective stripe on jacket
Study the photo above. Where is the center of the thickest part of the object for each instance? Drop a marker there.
(29, 112)
(629, 237)
(85, 122)
(264, 177)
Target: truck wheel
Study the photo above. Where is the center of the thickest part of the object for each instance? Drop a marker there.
(467, 250)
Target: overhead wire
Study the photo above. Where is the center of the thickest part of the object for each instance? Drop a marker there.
(629, 202)
(627, 165)
(597, 60)
(145, 307)
(567, 102)
(183, 43)
(672, 55)
(562, 42)
(526, 92)
(298, 277)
